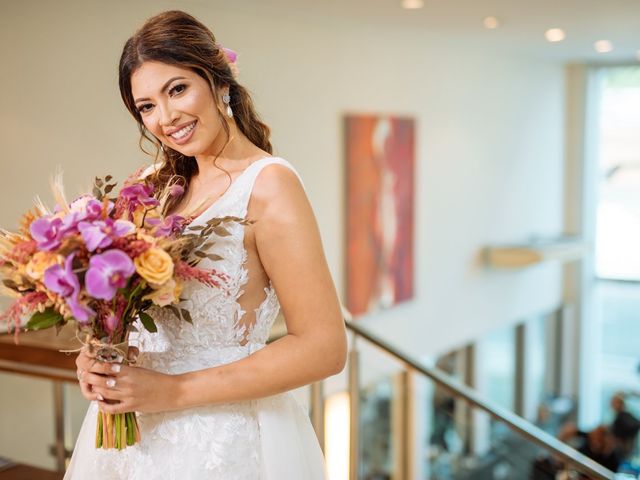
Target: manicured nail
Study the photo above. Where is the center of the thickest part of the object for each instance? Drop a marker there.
(100, 397)
(115, 368)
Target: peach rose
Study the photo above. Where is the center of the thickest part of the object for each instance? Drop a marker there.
(40, 262)
(166, 294)
(155, 266)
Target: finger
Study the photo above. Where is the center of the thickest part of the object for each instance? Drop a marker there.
(109, 395)
(105, 368)
(133, 353)
(113, 408)
(84, 361)
(88, 351)
(87, 393)
(97, 380)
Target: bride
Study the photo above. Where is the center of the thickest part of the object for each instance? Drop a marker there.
(212, 398)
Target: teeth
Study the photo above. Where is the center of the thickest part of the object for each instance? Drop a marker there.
(181, 133)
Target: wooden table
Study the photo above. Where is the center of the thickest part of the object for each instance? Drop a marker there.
(25, 472)
(37, 354)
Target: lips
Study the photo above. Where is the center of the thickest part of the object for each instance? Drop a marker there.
(178, 128)
(182, 135)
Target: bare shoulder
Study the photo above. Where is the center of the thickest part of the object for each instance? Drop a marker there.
(278, 190)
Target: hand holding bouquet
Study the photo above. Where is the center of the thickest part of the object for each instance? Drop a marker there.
(101, 262)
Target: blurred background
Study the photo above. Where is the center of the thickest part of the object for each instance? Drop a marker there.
(522, 321)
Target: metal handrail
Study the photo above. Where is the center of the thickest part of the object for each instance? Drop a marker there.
(516, 423)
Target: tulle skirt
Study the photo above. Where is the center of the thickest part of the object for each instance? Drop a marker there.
(265, 439)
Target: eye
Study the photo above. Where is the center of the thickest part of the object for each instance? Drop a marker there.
(142, 108)
(180, 86)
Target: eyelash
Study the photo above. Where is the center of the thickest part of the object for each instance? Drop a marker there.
(141, 107)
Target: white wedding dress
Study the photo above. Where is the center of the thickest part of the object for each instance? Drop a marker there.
(269, 438)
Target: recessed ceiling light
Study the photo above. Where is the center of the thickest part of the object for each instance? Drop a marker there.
(554, 35)
(491, 23)
(603, 46)
(412, 4)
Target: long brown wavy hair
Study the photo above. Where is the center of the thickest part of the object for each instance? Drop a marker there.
(177, 38)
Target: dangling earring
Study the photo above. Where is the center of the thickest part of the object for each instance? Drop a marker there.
(226, 98)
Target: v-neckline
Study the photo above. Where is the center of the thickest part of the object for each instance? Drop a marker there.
(226, 192)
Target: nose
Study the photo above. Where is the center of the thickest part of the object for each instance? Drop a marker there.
(168, 116)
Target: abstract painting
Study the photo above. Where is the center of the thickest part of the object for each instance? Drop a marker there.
(380, 170)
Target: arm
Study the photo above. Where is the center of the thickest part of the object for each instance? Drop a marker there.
(290, 249)
(315, 347)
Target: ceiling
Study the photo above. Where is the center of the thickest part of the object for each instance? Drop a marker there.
(523, 23)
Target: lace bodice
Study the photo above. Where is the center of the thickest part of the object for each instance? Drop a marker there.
(217, 334)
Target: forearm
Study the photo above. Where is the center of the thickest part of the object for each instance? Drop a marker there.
(289, 362)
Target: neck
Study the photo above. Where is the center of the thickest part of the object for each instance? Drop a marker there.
(236, 155)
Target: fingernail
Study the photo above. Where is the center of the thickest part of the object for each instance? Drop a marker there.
(100, 397)
(115, 368)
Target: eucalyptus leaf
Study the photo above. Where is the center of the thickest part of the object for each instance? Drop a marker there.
(42, 320)
(175, 310)
(10, 284)
(214, 257)
(148, 322)
(186, 315)
(221, 231)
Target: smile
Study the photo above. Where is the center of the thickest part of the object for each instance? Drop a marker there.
(181, 135)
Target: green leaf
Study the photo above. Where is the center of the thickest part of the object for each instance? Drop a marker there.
(148, 322)
(46, 319)
(199, 254)
(214, 257)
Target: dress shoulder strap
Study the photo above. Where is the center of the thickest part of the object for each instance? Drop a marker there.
(252, 173)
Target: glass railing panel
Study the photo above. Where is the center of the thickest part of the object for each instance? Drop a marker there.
(410, 426)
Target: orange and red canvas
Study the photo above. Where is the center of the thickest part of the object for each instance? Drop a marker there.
(380, 162)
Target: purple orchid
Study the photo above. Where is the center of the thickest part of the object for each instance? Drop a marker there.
(139, 194)
(47, 231)
(167, 226)
(100, 233)
(84, 209)
(87, 207)
(176, 190)
(107, 272)
(64, 282)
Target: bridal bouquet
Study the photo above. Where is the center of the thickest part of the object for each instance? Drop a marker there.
(101, 262)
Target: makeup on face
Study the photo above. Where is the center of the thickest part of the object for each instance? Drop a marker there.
(176, 105)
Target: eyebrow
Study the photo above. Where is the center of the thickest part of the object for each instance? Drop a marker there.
(164, 87)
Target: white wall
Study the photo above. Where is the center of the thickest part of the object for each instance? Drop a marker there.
(489, 139)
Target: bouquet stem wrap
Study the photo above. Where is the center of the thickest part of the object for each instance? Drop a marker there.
(118, 430)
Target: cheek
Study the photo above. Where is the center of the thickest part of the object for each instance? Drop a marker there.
(151, 125)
